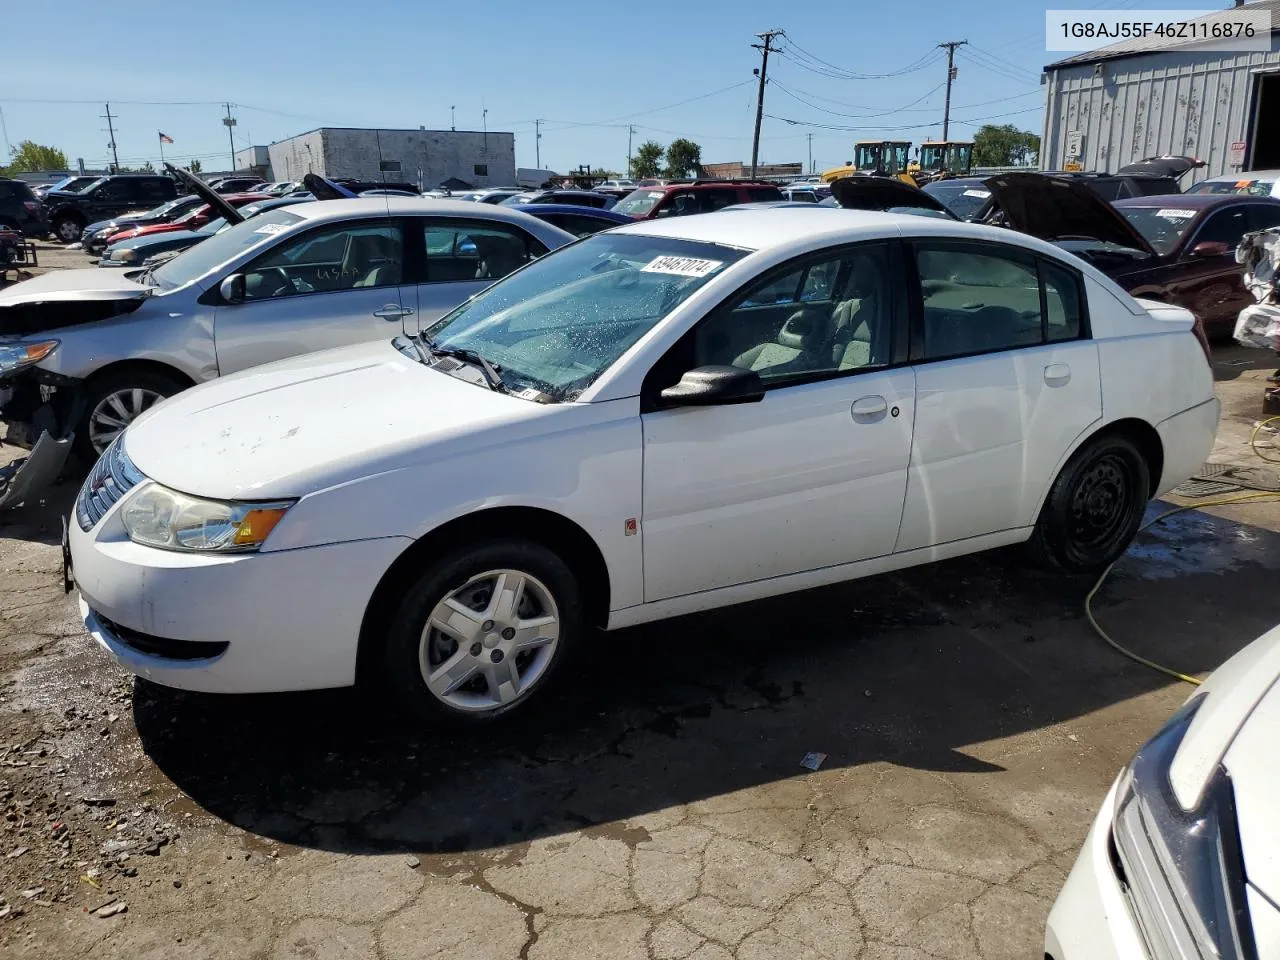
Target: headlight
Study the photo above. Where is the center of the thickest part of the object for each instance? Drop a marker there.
(160, 517)
(18, 355)
(126, 256)
(1183, 868)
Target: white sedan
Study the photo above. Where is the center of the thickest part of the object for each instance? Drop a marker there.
(1183, 860)
(665, 418)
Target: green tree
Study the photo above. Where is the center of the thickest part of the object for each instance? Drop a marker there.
(28, 157)
(1005, 146)
(600, 173)
(684, 157)
(648, 159)
(195, 166)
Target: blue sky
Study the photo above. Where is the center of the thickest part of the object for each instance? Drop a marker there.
(289, 66)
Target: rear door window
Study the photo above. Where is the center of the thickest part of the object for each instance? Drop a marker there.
(976, 298)
(470, 250)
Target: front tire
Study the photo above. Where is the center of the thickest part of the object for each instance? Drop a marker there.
(483, 631)
(67, 229)
(1094, 508)
(115, 401)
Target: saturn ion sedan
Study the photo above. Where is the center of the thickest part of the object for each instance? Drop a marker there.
(664, 418)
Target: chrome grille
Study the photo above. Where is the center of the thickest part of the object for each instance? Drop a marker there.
(111, 478)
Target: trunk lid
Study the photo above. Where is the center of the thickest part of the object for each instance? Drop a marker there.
(1054, 209)
(882, 193)
(1167, 166)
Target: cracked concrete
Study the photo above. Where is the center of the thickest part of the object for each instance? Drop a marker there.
(971, 721)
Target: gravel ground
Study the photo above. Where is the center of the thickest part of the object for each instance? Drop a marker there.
(657, 808)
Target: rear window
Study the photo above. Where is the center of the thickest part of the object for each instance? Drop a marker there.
(1245, 187)
(639, 202)
(963, 200)
(1162, 227)
(756, 194)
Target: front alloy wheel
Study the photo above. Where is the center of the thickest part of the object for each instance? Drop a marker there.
(115, 411)
(489, 641)
(482, 631)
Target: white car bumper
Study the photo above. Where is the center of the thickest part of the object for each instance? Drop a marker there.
(1090, 919)
(243, 623)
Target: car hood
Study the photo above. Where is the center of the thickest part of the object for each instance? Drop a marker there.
(882, 193)
(124, 219)
(1255, 780)
(1053, 208)
(161, 241)
(291, 428)
(88, 283)
(148, 230)
(202, 190)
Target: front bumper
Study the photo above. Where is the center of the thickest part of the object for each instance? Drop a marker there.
(274, 621)
(1090, 920)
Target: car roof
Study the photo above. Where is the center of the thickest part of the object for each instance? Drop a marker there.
(597, 213)
(408, 206)
(1192, 201)
(761, 229)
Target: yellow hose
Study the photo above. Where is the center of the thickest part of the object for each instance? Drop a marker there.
(1088, 600)
(1253, 439)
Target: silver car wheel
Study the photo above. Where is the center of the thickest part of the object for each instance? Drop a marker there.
(116, 411)
(68, 231)
(489, 641)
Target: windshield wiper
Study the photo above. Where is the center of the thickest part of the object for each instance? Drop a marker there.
(492, 376)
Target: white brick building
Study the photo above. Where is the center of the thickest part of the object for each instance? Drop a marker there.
(424, 157)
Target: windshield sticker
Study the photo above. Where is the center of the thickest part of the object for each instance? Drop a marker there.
(980, 194)
(655, 196)
(270, 228)
(1173, 213)
(1242, 184)
(682, 266)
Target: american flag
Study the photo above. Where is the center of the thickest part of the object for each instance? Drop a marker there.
(165, 138)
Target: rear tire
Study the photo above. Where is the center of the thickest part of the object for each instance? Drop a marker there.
(1094, 508)
(505, 641)
(115, 400)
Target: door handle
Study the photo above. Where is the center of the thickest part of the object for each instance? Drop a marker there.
(1057, 374)
(869, 409)
(393, 311)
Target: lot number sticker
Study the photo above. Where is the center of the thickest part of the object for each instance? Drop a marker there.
(270, 228)
(1173, 213)
(980, 194)
(682, 266)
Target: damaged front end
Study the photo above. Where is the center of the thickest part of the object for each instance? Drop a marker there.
(39, 410)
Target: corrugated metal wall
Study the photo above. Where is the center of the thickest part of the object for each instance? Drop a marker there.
(1190, 104)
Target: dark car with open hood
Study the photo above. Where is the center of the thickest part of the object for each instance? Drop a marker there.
(1177, 248)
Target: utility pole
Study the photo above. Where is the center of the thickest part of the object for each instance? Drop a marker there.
(111, 131)
(764, 48)
(631, 132)
(537, 144)
(810, 136)
(229, 121)
(452, 124)
(484, 119)
(951, 75)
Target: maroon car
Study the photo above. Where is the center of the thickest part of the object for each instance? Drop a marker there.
(1176, 248)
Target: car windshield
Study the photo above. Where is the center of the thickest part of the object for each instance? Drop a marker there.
(1162, 227)
(963, 201)
(638, 202)
(559, 323)
(166, 207)
(196, 261)
(1251, 188)
(196, 213)
(518, 199)
(213, 226)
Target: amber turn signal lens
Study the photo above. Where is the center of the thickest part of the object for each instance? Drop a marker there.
(256, 526)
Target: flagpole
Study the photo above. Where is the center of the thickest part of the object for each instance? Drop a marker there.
(161, 135)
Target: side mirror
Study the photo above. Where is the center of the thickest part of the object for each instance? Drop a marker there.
(714, 386)
(1210, 248)
(232, 288)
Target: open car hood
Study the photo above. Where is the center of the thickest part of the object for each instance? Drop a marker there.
(90, 283)
(1175, 167)
(323, 189)
(1053, 209)
(201, 189)
(881, 193)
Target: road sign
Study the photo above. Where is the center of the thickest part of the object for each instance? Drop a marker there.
(1236, 158)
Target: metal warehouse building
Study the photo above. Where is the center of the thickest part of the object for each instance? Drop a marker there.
(1141, 98)
(424, 157)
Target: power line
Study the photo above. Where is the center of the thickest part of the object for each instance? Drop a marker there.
(809, 61)
(897, 127)
(884, 112)
(881, 111)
